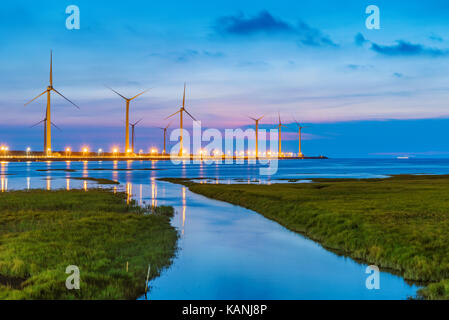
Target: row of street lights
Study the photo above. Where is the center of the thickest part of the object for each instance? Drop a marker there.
(154, 152)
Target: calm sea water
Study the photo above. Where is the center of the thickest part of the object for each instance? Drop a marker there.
(227, 252)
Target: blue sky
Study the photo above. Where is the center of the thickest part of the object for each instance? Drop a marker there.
(364, 93)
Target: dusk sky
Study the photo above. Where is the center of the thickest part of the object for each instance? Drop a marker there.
(363, 93)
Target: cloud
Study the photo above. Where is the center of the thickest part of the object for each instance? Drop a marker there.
(401, 48)
(404, 48)
(359, 39)
(435, 37)
(313, 37)
(264, 23)
(188, 55)
(359, 67)
(240, 25)
(398, 75)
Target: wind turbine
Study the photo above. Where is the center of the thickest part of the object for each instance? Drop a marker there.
(300, 127)
(132, 133)
(128, 100)
(165, 134)
(48, 123)
(280, 125)
(45, 130)
(180, 111)
(257, 133)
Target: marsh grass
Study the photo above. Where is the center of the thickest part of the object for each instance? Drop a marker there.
(43, 232)
(400, 223)
(97, 180)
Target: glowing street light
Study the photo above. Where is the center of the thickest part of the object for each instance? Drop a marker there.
(114, 152)
(68, 151)
(100, 151)
(4, 149)
(85, 151)
(28, 151)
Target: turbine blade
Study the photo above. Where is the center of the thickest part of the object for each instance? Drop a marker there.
(190, 115)
(35, 98)
(261, 117)
(173, 114)
(168, 125)
(296, 121)
(56, 126)
(140, 94)
(116, 92)
(138, 121)
(38, 123)
(64, 97)
(51, 67)
(252, 118)
(184, 96)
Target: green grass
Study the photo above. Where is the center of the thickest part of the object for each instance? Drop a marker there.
(400, 223)
(97, 180)
(43, 232)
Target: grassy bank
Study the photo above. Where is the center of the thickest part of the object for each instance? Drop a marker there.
(43, 232)
(401, 223)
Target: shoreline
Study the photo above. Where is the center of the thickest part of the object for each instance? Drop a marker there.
(435, 287)
(143, 158)
(111, 241)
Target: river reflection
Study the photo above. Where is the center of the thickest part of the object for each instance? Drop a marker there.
(4, 182)
(184, 207)
(227, 252)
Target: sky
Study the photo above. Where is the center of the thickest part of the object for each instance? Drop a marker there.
(360, 92)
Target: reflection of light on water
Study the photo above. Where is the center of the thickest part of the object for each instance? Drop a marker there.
(140, 195)
(153, 192)
(85, 168)
(115, 190)
(4, 167)
(114, 173)
(85, 185)
(67, 182)
(183, 169)
(129, 165)
(48, 183)
(129, 191)
(28, 183)
(4, 184)
(183, 208)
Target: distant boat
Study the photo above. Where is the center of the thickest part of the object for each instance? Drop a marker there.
(403, 158)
